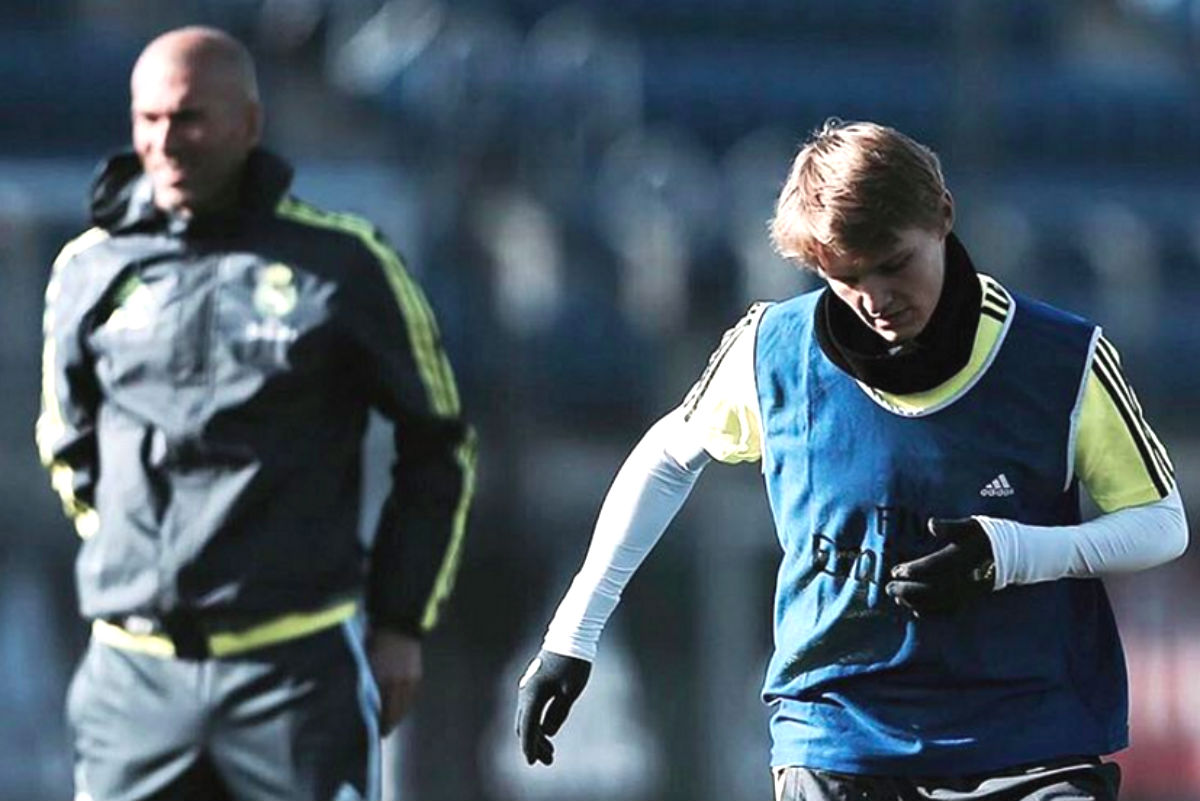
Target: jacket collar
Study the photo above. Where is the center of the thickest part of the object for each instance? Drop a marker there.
(122, 198)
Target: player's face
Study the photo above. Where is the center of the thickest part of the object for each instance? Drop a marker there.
(192, 134)
(894, 292)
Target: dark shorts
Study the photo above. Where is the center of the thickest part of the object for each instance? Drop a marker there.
(1062, 780)
(297, 720)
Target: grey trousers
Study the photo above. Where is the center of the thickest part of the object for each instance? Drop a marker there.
(1063, 780)
(296, 721)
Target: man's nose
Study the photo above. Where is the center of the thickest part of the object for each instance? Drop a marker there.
(876, 296)
(170, 135)
(165, 136)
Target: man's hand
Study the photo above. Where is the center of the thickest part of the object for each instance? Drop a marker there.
(950, 577)
(551, 683)
(396, 663)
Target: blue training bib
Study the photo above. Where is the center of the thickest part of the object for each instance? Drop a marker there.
(858, 684)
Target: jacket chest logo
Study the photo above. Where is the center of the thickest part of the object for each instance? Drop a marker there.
(275, 294)
(275, 297)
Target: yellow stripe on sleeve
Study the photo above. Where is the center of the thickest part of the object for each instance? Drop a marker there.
(444, 583)
(434, 368)
(432, 364)
(1108, 362)
(51, 426)
(723, 406)
(1118, 458)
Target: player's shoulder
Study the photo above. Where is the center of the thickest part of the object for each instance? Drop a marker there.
(996, 301)
(1041, 325)
(307, 214)
(1035, 308)
(347, 229)
(752, 316)
(79, 245)
(744, 329)
(82, 268)
(798, 305)
(350, 245)
(734, 348)
(790, 317)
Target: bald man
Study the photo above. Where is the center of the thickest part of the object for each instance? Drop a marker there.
(196, 118)
(212, 349)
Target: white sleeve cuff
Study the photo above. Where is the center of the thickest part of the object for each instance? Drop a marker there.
(1124, 541)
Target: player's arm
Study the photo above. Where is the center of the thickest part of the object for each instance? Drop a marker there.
(66, 424)
(1126, 471)
(644, 498)
(647, 493)
(415, 554)
(417, 546)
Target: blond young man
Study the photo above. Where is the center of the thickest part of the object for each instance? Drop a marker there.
(940, 626)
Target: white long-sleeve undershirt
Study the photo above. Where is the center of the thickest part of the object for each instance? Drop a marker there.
(658, 475)
(644, 498)
(1123, 541)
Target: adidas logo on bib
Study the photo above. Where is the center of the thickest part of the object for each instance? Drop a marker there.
(998, 487)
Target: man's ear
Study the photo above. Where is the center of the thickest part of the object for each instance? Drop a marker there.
(947, 213)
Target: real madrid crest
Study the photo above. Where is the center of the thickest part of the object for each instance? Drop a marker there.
(275, 296)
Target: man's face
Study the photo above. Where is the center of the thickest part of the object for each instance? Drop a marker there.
(192, 133)
(894, 292)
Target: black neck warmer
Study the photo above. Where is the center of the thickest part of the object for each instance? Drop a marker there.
(935, 355)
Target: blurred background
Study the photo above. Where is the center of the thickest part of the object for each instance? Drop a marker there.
(583, 190)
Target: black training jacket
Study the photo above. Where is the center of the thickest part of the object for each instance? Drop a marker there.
(205, 393)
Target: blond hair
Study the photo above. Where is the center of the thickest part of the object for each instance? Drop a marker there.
(851, 187)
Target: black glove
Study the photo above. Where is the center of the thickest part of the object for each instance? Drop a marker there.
(951, 577)
(551, 684)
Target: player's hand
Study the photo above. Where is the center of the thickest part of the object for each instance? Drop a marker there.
(956, 574)
(396, 664)
(550, 685)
